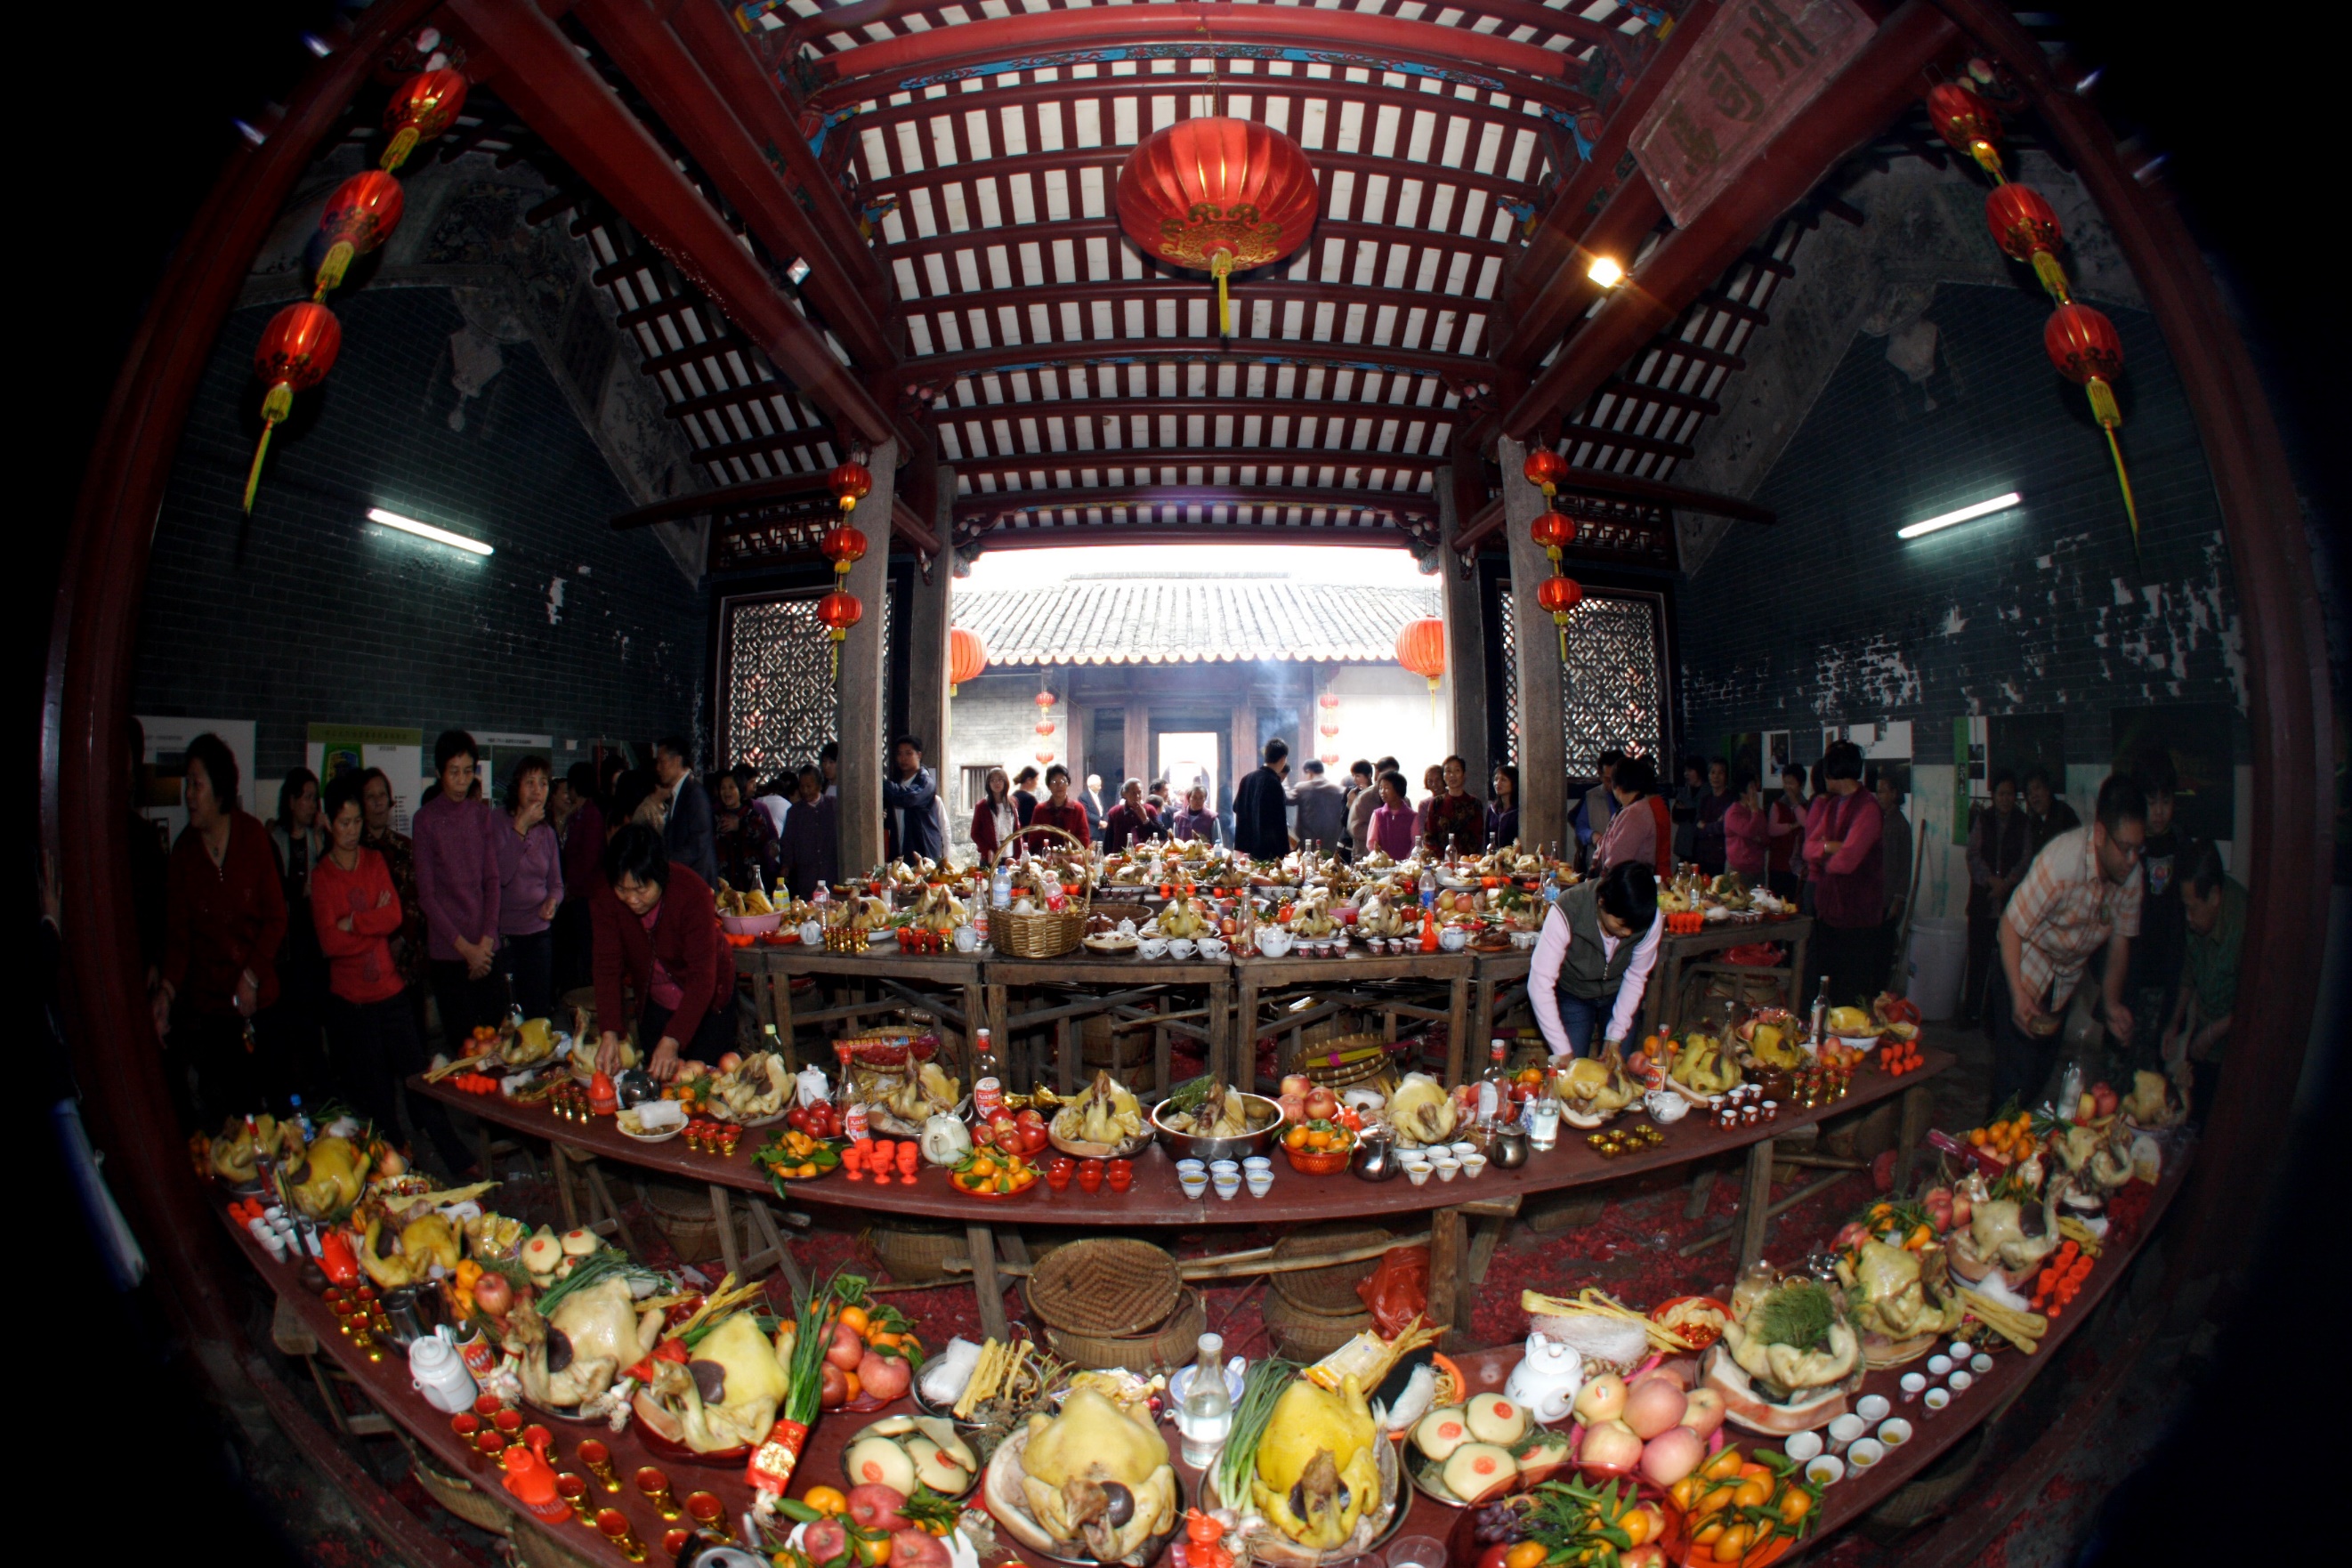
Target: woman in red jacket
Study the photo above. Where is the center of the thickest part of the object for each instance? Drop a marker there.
(370, 1029)
(658, 928)
(224, 922)
(997, 818)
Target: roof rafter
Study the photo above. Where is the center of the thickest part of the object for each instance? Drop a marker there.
(1343, 459)
(1108, 228)
(1005, 166)
(854, 19)
(1104, 496)
(1236, 408)
(1243, 353)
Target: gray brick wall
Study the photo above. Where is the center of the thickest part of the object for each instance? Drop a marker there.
(306, 611)
(1829, 617)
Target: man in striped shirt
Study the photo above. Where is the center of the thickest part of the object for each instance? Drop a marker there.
(2083, 893)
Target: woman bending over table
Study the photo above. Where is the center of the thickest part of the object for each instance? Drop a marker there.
(658, 929)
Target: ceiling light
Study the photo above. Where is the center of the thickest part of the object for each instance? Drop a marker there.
(799, 271)
(1966, 514)
(1605, 271)
(426, 531)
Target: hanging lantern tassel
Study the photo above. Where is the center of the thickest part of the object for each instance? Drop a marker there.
(1221, 266)
(1967, 123)
(2087, 350)
(296, 351)
(1559, 595)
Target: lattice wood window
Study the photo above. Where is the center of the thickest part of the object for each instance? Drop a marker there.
(776, 668)
(1613, 692)
(1507, 626)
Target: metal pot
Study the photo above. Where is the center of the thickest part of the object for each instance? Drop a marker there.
(1192, 1146)
(1508, 1149)
(1377, 1158)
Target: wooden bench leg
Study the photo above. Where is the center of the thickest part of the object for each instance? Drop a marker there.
(565, 1201)
(611, 1210)
(722, 1211)
(1756, 1204)
(1448, 1302)
(980, 1245)
(774, 1253)
(1482, 1246)
(1918, 1108)
(1702, 1186)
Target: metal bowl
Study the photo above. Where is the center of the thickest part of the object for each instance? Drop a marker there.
(1192, 1146)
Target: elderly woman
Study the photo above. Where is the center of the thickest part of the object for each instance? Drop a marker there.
(811, 850)
(749, 851)
(1193, 819)
(658, 929)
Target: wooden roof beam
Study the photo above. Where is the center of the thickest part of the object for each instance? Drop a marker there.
(1606, 486)
(1338, 458)
(1184, 408)
(1072, 159)
(1879, 83)
(534, 67)
(1244, 352)
(990, 534)
(904, 522)
(1617, 233)
(1164, 286)
(855, 19)
(1404, 503)
(1108, 228)
(657, 65)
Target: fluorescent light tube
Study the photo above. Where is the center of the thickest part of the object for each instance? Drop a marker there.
(426, 531)
(1966, 514)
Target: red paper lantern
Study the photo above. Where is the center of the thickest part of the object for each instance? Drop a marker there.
(360, 216)
(296, 351)
(422, 107)
(1544, 468)
(1968, 122)
(1420, 648)
(2026, 228)
(1555, 531)
(1330, 727)
(2085, 346)
(1043, 754)
(967, 656)
(851, 484)
(843, 547)
(1220, 194)
(1557, 596)
(1331, 759)
(1045, 726)
(1043, 700)
(1328, 699)
(840, 611)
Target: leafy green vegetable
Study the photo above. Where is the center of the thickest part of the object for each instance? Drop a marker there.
(1262, 1386)
(1798, 1313)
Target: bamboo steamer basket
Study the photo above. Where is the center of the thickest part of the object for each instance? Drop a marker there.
(1041, 933)
(1176, 1342)
(1308, 1337)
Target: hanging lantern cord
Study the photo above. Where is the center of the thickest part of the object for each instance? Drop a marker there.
(2123, 477)
(1221, 265)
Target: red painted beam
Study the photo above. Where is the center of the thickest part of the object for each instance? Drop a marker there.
(1066, 535)
(1405, 502)
(1607, 486)
(534, 69)
(1631, 215)
(2292, 715)
(855, 19)
(1882, 80)
(1187, 409)
(698, 113)
(876, 69)
(729, 58)
(1345, 459)
(1243, 353)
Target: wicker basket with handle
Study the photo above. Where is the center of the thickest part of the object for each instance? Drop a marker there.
(1041, 933)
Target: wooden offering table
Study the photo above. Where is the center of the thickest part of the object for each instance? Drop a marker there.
(1282, 997)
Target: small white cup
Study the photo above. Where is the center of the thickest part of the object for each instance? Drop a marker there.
(1227, 1184)
(1873, 1408)
(1866, 1452)
(1980, 1364)
(1825, 1472)
(1181, 950)
(1474, 1165)
(1195, 1167)
(1461, 1151)
(1937, 1398)
(1938, 1366)
(1261, 1183)
(1194, 1183)
(1417, 1172)
(1844, 1430)
(1802, 1447)
(1914, 1384)
(1895, 1433)
(1448, 1168)
(1958, 1350)
(1256, 1163)
(1961, 1382)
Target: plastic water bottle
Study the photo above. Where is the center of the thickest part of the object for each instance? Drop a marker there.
(1428, 888)
(294, 1112)
(1000, 889)
(1207, 1413)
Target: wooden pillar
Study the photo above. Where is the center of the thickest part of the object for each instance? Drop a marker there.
(927, 672)
(863, 667)
(1245, 748)
(1465, 644)
(1543, 739)
(1138, 746)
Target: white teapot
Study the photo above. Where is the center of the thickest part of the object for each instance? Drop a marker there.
(439, 1373)
(1549, 1380)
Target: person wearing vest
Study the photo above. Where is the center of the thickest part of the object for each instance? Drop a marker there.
(1590, 967)
(1845, 859)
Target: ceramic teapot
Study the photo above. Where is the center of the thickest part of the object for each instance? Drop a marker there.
(1549, 1380)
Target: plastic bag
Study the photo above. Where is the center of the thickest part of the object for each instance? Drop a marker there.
(1398, 1291)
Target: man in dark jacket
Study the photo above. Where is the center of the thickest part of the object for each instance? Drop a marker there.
(910, 825)
(1322, 807)
(1261, 826)
(687, 836)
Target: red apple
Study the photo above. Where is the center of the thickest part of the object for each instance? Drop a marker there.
(1294, 1107)
(918, 1549)
(883, 1377)
(847, 1349)
(876, 1507)
(1321, 1105)
(826, 1540)
(833, 1391)
(1297, 1084)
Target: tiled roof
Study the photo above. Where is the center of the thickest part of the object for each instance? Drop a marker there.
(1170, 620)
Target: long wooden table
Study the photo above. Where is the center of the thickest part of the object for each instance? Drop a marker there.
(1662, 1007)
(386, 1383)
(1156, 1201)
(1339, 984)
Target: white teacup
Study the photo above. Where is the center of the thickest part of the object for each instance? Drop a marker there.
(1260, 1182)
(1152, 947)
(1195, 1183)
(1871, 1407)
(1844, 1430)
(1211, 947)
(1895, 1433)
(1181, 949)
(1802, 1447)
(966, 939)
(1474, 1165)
(1866, 1452)
(1453, 938)
(1937, 1400)
(1226, 1185)
(1417, 1172)
(1825, 1472)
(1448, 1168)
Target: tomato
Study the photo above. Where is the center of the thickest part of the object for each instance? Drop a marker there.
(1494, 1556)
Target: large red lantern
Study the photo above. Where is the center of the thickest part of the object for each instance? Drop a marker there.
(296, 351)
(1045, 726)
(360, 216)
(1968, 122)
(1328, 699)
(422, 107)
(1557, 596)
(1555, 531)
(844, 547)
(967, 656)
(2026, 228)
(1544, 468)
(1218, 195)
(839, 611)
(1420, 648)
(2085, 348)
(851, 484)
(1043, 700)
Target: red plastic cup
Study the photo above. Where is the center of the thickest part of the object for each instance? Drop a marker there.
(1090, 1175)
(488, 1405)
(1057, 1175)
(1122, 1175)
(852, 1160)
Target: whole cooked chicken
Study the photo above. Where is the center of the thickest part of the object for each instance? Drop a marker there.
(757, 1088)
(1317, 1470)
(1092, 1476)
(1593, 1088)
(329, 1177)
(1996, 1236)
(572, 1355)
(1420, 1111)
(1901, 1294)
(1108, 1112)
(926, 1092)
(1793, 1338)
(724, 1397)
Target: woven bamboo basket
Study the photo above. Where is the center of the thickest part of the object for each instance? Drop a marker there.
(1315, 1064)
(1041, 933)
(916, 1256)
(1326, 1292)
(1106, 1287)
(682, 1213)
(1097, 1045)
(1173, 1344)
(1306, 1337)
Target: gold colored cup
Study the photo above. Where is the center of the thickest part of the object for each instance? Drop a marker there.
(573, 1490)
(599, 1460)
(614, 1526)
(654, 1486)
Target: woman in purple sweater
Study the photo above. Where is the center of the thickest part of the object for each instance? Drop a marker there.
(530, 889)
(458, 883)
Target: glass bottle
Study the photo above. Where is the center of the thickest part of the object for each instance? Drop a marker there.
(1207, 1412)
(1494, 1086)
(1821, 1013)
(988, 1084)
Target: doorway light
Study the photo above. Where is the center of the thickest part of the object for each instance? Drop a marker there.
(1966, 514)
(426, 531)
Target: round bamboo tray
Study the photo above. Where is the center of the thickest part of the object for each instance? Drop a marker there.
(1106, 1287)
(1306, 1337)
(1326, 1292)
(1316, 1063)
(1173, 1344)
(1041, 933)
